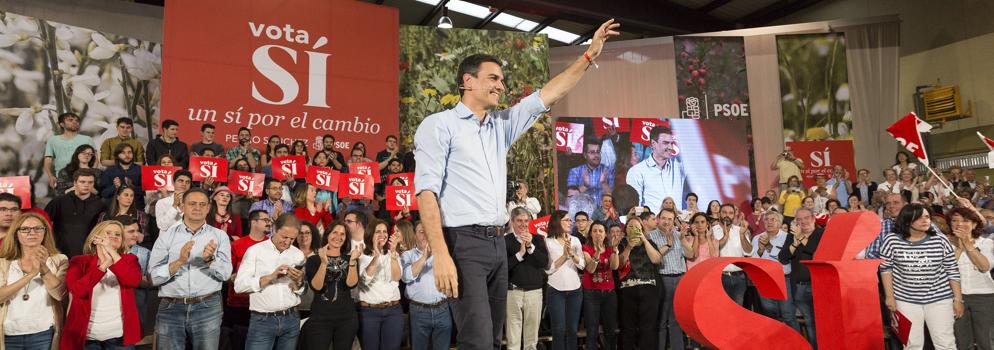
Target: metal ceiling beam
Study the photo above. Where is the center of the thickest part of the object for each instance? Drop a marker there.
(494, 12)
(379, 2)
(635, 15)
(711, 6)
(585, 36)
(774, 11)
(544, 23)
(434, 11)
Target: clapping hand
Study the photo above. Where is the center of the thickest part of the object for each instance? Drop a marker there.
(209, 249)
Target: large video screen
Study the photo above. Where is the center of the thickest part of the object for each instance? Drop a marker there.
(657, 157)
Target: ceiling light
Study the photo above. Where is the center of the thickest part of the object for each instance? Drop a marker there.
(445, 22)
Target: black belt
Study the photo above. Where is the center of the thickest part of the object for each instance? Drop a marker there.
(486, 231)
(292, 310)
(671, 274)
(429, 306)
(731, 273)
(522, 289)
(190, 300)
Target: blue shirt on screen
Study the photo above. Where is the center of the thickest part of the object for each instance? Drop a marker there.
(196, 277)
(654, 183)
(464, 162)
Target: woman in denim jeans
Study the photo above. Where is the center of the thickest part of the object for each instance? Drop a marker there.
(600, 303)
(564, 296)
(380, 313)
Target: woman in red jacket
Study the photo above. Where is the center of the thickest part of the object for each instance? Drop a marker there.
(102, 314)
(307, 208)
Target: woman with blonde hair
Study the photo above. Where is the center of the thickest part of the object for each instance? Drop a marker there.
(32, 272)
(103, 313)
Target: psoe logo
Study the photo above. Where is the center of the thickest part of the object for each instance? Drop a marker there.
(317, 64)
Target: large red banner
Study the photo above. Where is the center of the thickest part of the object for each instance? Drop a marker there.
(820, 156)
(311, 66)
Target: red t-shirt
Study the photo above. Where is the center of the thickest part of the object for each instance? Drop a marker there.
(601, 278)
(238, 249)
(321, 216)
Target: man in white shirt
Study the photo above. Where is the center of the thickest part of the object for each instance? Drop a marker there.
(167, 209)
(662, 174)
(734, 244)
(273, 272)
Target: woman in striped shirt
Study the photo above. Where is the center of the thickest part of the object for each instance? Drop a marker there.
(921, 278)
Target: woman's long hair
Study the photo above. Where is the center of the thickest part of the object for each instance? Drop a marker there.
(74, 162)
(346, 245)
(10, 249)
(555, 230)
(115, 206)
(908, 215)
(370, 231)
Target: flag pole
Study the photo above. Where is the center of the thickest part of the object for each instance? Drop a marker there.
(937, 177)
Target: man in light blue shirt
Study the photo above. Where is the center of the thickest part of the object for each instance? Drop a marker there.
(189, 262)
(461, 181)
(842, 186)
(661, 175)
(767, 245)
(431, 321)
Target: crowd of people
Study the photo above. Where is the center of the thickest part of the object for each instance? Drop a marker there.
(230, 271)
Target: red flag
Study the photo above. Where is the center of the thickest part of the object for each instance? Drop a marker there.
(355, 186)
(155, 177)
(407, 177)
(246, 183)
(323, 178)
(366, 168)
(19, 186)
(987, 141)
(540, 226)
(289, 167)
(205, 167)
(399, 197)
(908, 131)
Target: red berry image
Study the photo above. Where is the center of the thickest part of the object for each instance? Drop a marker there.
(701, 81)
(694, 74)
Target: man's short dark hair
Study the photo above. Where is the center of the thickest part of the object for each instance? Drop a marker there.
(471, 65)
(196, 190)
(395, 160)
(245, 129)
(282, 145)
(125, 220)
(183, 172)
(360, 216)
(590, 141)
(646, 215)
(766, 200)
(668, 210)
(328, 136)
(287, 220)
(689, 195)
(63, 116)
(255, 214)
(391, 137)
(270, 181)
(579, 213)
(659, 129)
(206, 126)
(120, 149)
(169, 122)
(726, 205)
(10, 197)
(125, 121)
(84, 172)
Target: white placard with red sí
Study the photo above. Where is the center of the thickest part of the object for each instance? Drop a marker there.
(289, 167)
(569, 137)
(641, 128)
(602, 125)
(355, 186)
(246, 183)
(19, 186)
(398, 197)
(323, 178)
(207, 167)
(407, 177)
(366, 168)
(540, 226)
(155, 177)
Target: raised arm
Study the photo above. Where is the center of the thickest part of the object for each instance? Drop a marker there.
(562, 83)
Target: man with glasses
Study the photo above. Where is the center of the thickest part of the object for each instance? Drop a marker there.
(582, 220)
(189, 262)
(167, 209)
(10, 209)
(662, 174)
(236, 312)
(355, 222)
(592, 177)
(273, 204)
(75, 213)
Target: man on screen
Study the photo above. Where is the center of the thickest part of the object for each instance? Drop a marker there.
(661, 175)
(461, 179)
(592, 178)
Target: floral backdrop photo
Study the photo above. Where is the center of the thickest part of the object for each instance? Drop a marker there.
(429, 60)
(814, 87)
(49, 68)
